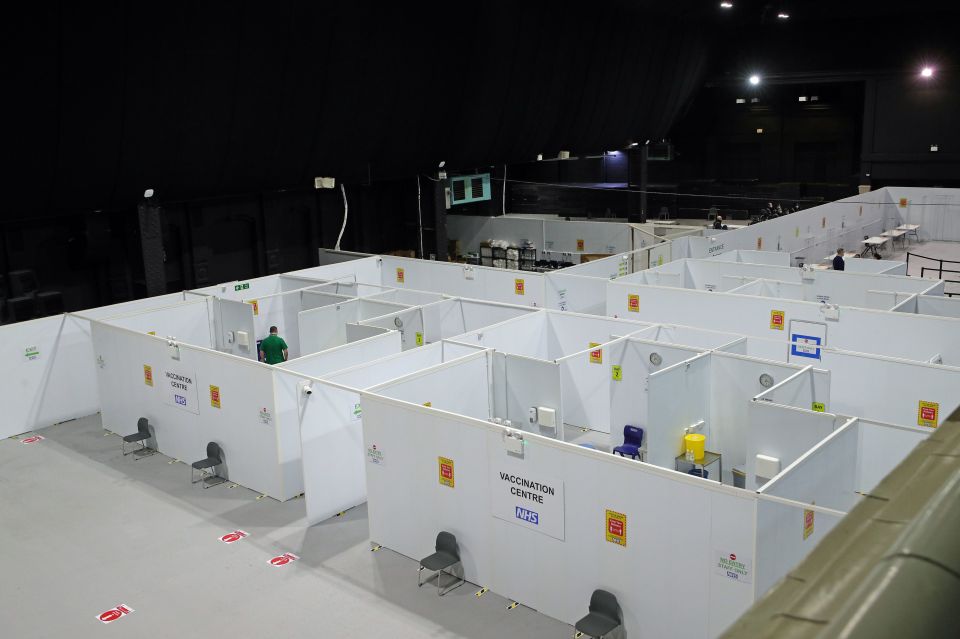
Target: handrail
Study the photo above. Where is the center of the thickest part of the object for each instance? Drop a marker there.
(940, 272)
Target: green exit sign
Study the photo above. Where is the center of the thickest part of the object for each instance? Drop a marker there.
(241, 287)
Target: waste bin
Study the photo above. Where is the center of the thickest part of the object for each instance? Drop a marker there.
(739, 477)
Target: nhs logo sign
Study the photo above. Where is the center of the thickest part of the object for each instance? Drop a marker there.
(527, 515)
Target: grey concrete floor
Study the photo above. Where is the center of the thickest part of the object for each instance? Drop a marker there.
(83, 529)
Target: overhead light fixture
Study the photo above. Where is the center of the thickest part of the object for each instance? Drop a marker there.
(442, 164)
(927, 72)
(726, 5)
(612, 152)
(148, 193)
(754, 100)
(802, 98)
(754, 79)
(741, 100)
(783, 15)
(934, 148)
(814, 98)
(634, 144)
(759, 130)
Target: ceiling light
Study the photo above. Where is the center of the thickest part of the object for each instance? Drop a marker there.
(934, 148)
(759, 130)
(726, 5)
(927, 72)
(741, 100)
(814, 98)
(783, 15)
(802, 98)
(754, 100)
(754, 79)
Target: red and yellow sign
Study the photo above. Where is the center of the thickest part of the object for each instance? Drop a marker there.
(215, 396)
(616, 528)
(759, 243)
(255, 305)
(147, 375)
(580, 245)
(399, 275)
(596, 356)
(518, 287)
(807, 523)
(903, 203)
(445, 469)
(928, 414)
(633, 303)
(776, 320)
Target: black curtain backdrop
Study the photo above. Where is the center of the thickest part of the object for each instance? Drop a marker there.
(205, 99)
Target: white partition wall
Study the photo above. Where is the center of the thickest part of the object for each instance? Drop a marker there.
(449, 472)
(187, 322)
(203, 396)
(679, 399)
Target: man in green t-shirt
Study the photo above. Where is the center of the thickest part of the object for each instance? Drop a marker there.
(273, 350)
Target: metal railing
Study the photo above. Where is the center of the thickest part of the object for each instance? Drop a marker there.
(939, 270)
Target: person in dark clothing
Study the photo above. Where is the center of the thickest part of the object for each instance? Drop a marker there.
(838, 260)
(718, 223)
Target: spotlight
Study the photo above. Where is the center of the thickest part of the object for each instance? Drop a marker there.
(726, 5)
(754, 79)
(927, 72)
(760, 131)
(783, 15)
(934, 148)
(741, 100)
(802, 98)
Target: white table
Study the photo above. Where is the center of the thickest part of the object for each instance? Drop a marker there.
(896, 234)
(910, 229)
(873, 244)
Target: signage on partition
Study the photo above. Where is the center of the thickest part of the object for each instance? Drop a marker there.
(419, 339)
(113, 614)
(215, 396)
(633, 303)
(807, 522)
(596, 355)
(818, 407)
(234, 537)
(283, 560)
(903, 202)
(776, 320)
(928, 414)
(375, 456)
(356, 412)
(148, 375)
(616, 373)
(241, 287)
(445, 472)
(526, 498)
(733, 566)
(518, 287)
(580, 244)
(759, 243)
(32, 440)
(803, 345)
(265, 416)
(616, 528)
(255, 305)
(181, 390)
(399, 275)
(31, 353)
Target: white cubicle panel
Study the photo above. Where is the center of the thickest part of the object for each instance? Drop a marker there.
(565, 291)
(363, 269)
(325, 327)
(881, 447)
(408, 323)
(187, 322)
(938, 305)
(526, 335)
(345, 356)
(453, 317)
(521, 384)
(201, 397)
(800, 387)
(679, 398)
(936, 210)
(675, 524)
(569, 333)
(315, 298)
(405, 296)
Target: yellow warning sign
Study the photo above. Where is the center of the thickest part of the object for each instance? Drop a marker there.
(147, 375)
(776, 320)
(214, 396)
(580, 244)
(818, 407)
(633, 303)
(596, 355)
(399, 275)
(903, 202)
(419, 339)
(255, 305)
(928, 414)
(807, 523)
(518, 287)
(445, 469)
(616, 372)
(616, 528)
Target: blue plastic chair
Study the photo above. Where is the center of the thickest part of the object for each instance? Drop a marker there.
(699, 472)
(632, 441)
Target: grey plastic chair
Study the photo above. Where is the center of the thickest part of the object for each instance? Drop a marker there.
(141, 437)
(213, 460)
(604, 616)
(447, 556)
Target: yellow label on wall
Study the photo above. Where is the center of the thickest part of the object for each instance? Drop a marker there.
(580, 244)
(596, 356)
(428, 404)
(419, 339)
(819, 407)
(445, 471)
(215, 396)
(399, 275)
(633, 303)
(807, 522)
(255, 305)
(759, 243)
(796, 232)
(616, 528)
(151, 332)
(928, 414)
(147, 375)
(776, 320)
(518, 287)
(660, 260)
(616, 372)
(823, 222)
(903, 203)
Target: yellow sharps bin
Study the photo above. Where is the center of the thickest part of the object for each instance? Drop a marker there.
(695, 443)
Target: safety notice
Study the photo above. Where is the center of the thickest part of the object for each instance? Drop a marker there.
(616, 528)
(109, 616)
(928, 414)
(445, 472)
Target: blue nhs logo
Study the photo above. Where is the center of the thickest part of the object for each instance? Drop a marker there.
(180, 399)
(528, 516)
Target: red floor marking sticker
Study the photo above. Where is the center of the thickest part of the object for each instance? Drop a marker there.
(32, 440)
(234, 536)
(114, 613)
(284, 559)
